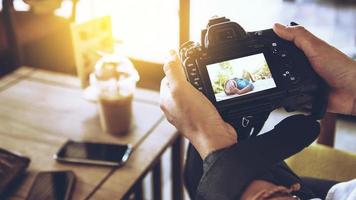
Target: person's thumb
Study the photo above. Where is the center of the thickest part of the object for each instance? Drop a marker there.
(301, 37)
(173, 69)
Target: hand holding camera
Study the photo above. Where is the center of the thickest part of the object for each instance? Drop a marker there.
(338, 70)
(184, 106)
(246, 75)
(191, 112)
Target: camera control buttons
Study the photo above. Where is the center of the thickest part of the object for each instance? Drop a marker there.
(189, 63)
(192, 74)
(245, 121)
(283, 55)
(196, 79)
(274, 48)
(289, 76)
(294, 79)
(193, 50)
(258, 33)
(189, 53)
(286, 73)
(197, 83)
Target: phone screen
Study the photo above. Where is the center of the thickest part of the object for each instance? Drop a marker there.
(93, 153)
(52, 185)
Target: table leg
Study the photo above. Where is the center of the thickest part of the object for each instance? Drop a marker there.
(177, 168)
(157, 181)
(139, 190)
(327, 130)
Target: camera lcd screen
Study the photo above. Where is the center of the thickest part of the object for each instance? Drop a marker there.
(238, 77)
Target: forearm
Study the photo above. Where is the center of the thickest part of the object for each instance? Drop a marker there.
(211, 137)
(243, 90)
(353, 81)
(227, 172)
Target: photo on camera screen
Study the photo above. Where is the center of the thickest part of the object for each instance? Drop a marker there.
(241, 76)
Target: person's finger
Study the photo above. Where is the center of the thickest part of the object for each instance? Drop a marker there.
(301, 37)
(233, 86)
(164, 93)
(173, 69)
(164, 89)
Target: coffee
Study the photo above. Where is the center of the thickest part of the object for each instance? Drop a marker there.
(115, 113)
(115, 81)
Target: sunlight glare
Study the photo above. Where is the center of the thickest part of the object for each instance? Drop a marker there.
(144, 29)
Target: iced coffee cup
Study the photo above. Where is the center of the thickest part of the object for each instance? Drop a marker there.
(115, 79)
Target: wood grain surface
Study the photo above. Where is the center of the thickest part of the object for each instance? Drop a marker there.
(40, 110)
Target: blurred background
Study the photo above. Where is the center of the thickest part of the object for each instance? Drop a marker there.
(68, 35)
(50, 33)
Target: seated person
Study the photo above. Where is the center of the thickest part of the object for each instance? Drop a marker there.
(248, 76)
(221, 167)
(237, 86)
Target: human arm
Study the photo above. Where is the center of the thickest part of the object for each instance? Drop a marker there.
(231, 88)
(338, 70)
(191, 112)
(244, 90)
(231, 166)
(229, 172)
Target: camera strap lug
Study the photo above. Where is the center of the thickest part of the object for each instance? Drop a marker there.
(249, 126)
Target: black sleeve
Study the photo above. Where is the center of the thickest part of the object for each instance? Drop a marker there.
(227, 172)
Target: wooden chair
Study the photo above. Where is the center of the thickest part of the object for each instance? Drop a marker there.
(7, 42)
(324, 162)
(321, 160)
(40, 39)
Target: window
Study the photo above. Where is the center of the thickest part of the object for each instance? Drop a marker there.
(332, 21)
(145, 30)
(19, 5)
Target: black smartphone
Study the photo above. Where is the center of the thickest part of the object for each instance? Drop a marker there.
(93, 153)
(56, 185)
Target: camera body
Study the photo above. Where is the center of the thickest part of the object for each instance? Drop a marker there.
(274, 71)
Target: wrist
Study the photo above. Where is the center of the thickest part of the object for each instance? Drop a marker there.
(350, 81)
(211, 138)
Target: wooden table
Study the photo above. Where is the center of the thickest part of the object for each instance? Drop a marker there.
(40, 110)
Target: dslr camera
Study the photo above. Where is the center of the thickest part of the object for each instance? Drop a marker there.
(247, 75)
